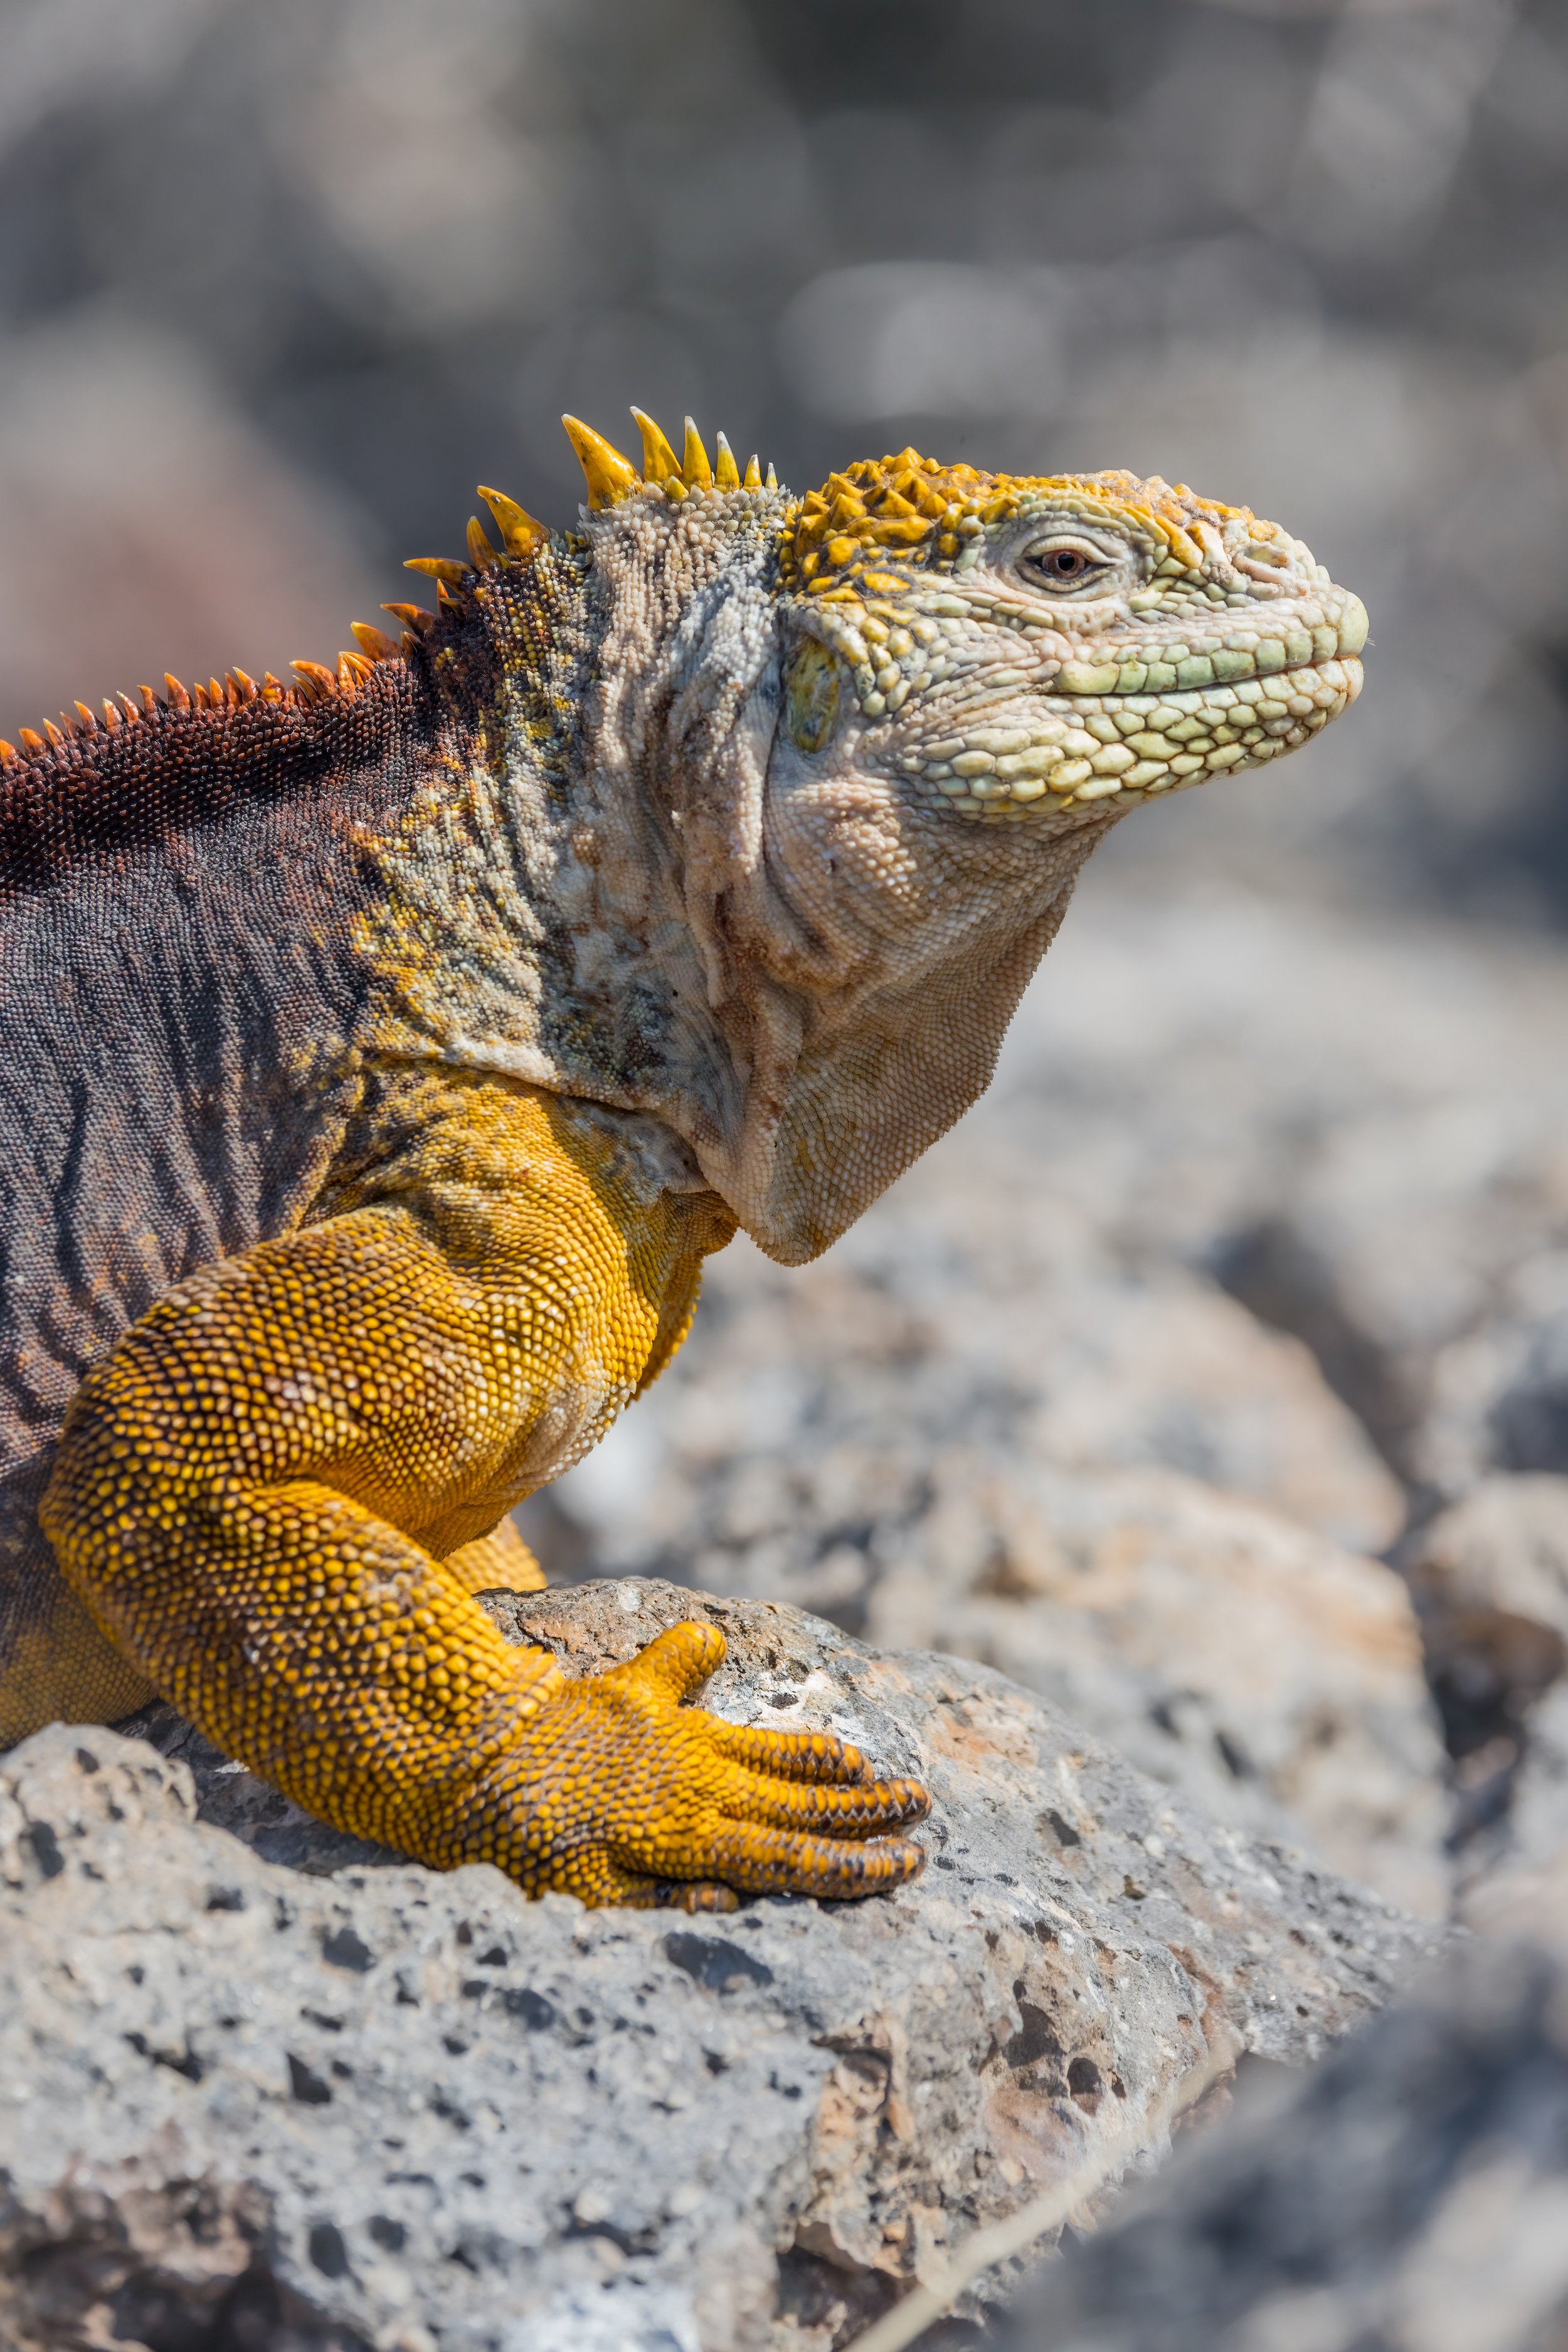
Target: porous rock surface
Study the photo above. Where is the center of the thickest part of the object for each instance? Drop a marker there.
(354, 2103)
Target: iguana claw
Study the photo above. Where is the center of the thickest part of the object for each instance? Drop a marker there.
(617, 1791)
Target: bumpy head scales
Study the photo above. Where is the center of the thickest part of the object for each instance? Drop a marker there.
(1025, 644)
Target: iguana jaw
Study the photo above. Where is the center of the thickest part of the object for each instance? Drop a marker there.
(1056, 753)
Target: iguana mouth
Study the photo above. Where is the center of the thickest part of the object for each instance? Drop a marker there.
(1063, 751)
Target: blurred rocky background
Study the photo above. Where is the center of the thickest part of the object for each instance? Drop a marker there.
(1212, 1380)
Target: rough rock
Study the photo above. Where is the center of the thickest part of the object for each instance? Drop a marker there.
(1498, 1396)
(383, 2107)
(1361, 1125)
(1411, 2195)
(1503, 1547)
(1489, 1576)
(1517, 1787)
(1273, 1677)
(1021, 1335)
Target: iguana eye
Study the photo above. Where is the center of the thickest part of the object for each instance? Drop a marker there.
(1062, 565)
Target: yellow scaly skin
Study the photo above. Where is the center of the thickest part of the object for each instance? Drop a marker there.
(257, 1489)
(638, 931)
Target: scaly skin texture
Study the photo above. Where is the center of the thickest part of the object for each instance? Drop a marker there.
(381, 1056)
(331, 1415)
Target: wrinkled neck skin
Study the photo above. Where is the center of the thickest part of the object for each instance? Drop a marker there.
(666, 907)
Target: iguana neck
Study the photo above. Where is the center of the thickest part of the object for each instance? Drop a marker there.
(596, 889)
(536, 911)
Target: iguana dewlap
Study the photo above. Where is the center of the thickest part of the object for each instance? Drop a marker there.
(381, 1056)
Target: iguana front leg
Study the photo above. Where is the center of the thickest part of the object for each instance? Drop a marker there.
(255, 1492)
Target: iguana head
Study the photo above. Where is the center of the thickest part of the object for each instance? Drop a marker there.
(833, 763)
(1020, 646)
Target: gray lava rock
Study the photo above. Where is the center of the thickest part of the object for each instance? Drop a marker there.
(334, 2105)
(1274, 1679)
(1503, 1547)
(1360, 1126)
(1019, 1339)
(1529, 1830)
(1489, 1576)
(1410, 2196)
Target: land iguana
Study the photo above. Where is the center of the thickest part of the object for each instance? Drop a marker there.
(382, 1054)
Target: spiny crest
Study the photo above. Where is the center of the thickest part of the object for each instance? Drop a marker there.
(912, 509)
(315, 683)
(612, 477)
(522, 536)
(609, 477)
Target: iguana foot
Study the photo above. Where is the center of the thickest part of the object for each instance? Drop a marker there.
(617, 1793)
